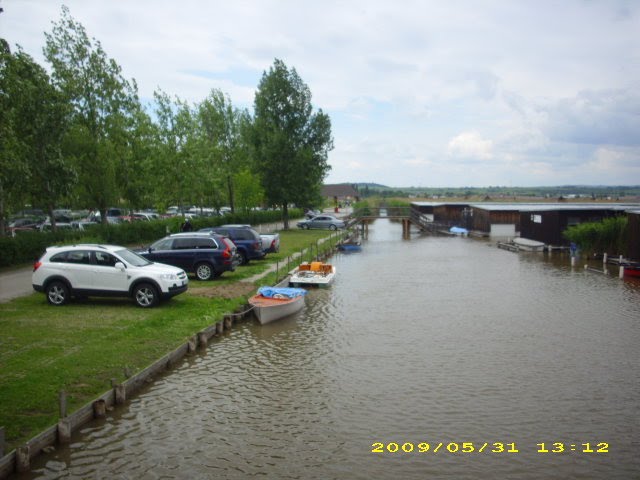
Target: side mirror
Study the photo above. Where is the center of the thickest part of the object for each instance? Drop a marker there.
(120, 266)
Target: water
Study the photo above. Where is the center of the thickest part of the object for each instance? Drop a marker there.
(431, 340)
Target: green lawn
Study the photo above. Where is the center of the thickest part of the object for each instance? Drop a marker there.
(81, 346)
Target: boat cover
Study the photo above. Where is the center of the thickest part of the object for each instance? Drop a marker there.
(281, 292)
(459, 230)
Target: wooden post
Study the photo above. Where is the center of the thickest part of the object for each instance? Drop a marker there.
(62, 403)
(99, 409)
(191, 344)
(64, 431)
(202, 339)
(277, 270)
(604, 258)
(120, 394)
(621, 272)
(219, 328)
(23, 463)
(228, 322)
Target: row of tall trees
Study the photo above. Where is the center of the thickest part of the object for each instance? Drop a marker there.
(80, 137)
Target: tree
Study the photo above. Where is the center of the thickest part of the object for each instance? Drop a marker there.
(12, 167)
(291, 143)
(180, 175)
(220, 125)
(42, 123)
(36, 124)
(101, 98)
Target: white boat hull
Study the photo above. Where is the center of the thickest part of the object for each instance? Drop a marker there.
(308, 278)
(528, 244)
(268, 310)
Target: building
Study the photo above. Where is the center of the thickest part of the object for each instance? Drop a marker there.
(546, 223)
(341, 193)
(633, 225)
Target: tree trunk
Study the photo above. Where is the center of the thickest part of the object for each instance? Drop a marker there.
(52, 217)
(230, 189)
(285, 215)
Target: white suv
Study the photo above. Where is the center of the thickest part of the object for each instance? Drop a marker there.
(105, 270)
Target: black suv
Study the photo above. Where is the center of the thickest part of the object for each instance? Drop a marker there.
(207, 255)
(246, 239)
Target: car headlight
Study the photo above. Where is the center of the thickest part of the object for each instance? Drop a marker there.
(169, 276)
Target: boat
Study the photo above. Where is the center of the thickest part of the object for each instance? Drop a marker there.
(312, 274)
(631, 269)
(274, 303)
(528, 244)
(349, 247)
(463, 232)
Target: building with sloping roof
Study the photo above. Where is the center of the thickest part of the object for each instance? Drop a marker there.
(340, 193)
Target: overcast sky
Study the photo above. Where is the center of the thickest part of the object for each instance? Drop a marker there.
(420, 93)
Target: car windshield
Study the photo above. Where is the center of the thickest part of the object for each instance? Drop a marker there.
(133, 258)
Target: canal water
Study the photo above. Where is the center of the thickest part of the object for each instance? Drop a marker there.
(433, 357)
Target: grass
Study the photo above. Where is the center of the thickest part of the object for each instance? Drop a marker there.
(80, 347)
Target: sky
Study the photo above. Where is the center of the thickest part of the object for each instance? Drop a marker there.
(420, 93)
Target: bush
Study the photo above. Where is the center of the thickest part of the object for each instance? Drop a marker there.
(28, 246)
(607, 236)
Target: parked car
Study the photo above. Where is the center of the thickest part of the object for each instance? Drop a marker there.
(270, 241)
(322, 221)
(246, 239)
(104, 270)
(309, 213)
(206, 255)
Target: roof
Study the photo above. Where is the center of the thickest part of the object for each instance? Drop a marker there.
(339, 190)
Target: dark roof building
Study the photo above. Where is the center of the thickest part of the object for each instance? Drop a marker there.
(633, 249)
(340, 192)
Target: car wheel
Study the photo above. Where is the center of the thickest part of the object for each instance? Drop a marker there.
(57, 293)
(306, 227)
(145, 295)
(204, 271)
(333, 227)
(243, 258)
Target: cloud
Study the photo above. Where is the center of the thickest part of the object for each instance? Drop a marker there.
(610, 117)
(470, 146)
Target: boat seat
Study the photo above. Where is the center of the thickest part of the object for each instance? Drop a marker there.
(316, 266)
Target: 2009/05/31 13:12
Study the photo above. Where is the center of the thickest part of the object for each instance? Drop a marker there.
(495, 447)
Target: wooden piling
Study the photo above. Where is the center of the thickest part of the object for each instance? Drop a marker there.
(99, 408)
(64, 431)
(23, 461)
(228, 322)
(120, 393)
(202, 339)
(62, 403)
(191, 344)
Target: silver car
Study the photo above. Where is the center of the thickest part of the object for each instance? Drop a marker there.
(322, 221)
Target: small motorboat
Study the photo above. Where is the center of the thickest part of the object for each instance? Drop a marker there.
(274, 303)
(349, 247)
(631, 269)
(312, 274)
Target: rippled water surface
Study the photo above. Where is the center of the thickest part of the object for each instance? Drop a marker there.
(425, 340)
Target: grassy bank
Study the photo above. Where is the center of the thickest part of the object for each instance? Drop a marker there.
(80, 347)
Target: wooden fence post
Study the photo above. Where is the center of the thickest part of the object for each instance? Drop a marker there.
(23, 463)
(62, 403)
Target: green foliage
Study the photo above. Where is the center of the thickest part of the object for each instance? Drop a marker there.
(29, 246)
(608, 236)
(291, 143)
